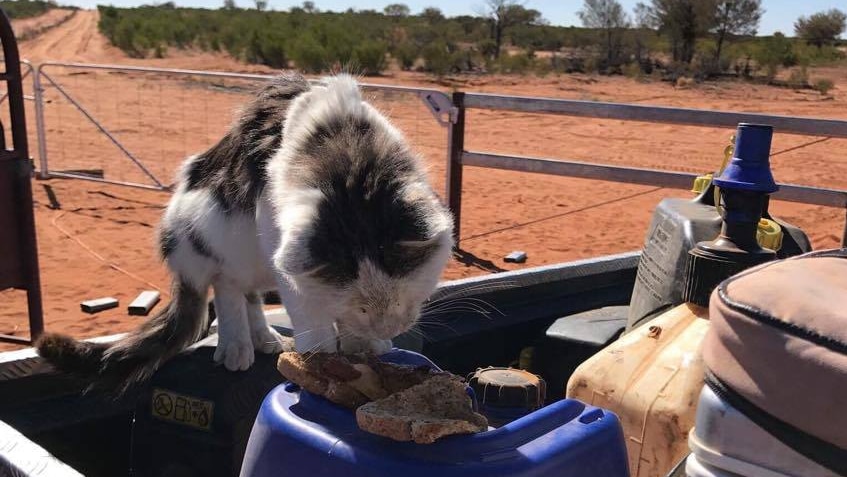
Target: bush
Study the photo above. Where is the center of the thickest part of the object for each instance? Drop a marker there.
(370, 57)
(633, 70)
(309, 55)
(774, 52)
(25, 8)
(438, 58)
(267, 48)
(406, 54)
(823, 85)
(512, 64)
(799, 78)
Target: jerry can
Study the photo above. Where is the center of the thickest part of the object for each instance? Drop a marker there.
(651, 378)
(299, 434)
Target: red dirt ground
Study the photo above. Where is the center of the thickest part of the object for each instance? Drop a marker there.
(100, 241)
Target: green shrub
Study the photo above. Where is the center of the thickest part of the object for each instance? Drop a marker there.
(774, 52)
(823, 85)
(25, 8)
(309, 55)
(406, 53)
(369, 56)
(512, 64)
(799, 78)
(438, 58)
(267, 48)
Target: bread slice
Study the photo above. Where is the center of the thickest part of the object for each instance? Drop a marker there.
(349, 380)
(324, 374)
(424, 412)
(404, 403)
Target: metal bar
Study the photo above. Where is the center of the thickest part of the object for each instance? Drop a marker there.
(23, 76)
(40, 131)
(15, 339)
(219, 74)
(655, 114)
(65, 175)
(101, 128)
(632, 175)
(456, 141)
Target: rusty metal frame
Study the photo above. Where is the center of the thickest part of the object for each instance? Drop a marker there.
(21, 216)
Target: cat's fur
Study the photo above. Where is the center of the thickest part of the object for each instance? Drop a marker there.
(312, 191)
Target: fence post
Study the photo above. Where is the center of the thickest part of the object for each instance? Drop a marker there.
(456, 139)
(43, 171)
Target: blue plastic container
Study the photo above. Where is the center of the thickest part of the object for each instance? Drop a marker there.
(300, 434)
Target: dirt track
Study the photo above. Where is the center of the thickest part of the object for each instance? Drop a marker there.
(100, 241)
(77, 39)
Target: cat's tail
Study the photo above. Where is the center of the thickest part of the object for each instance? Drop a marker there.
(133, 358)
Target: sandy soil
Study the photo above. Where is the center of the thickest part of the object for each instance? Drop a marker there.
(99, 240)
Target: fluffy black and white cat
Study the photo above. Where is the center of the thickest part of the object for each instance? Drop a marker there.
(313, 192)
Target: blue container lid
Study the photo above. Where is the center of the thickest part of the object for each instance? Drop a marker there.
(750, 168)
(299, 434)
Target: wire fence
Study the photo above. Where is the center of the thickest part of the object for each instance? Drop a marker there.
(134, 126)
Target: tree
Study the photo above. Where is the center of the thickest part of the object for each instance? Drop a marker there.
(608, 16)
(505, 14)
(681, 20)
(822, 27)
(432, 15)
(229, 5)
(397, 10)
(735, 17)
(309, 7)
(261, 4)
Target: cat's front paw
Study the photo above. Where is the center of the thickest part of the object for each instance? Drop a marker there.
(266, 340)
(236, 355)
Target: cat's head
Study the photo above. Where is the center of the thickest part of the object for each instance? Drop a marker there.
(361, 228)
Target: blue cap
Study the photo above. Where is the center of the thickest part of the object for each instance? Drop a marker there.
(750, 168)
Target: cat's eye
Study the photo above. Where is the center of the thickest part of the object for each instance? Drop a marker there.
(363, 311)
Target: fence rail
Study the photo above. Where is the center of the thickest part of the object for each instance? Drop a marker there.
(459, 157)
(451, 111)
(655, 114)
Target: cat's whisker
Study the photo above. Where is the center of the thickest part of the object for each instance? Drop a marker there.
(444, 325)
(468, 302)
(482, 287)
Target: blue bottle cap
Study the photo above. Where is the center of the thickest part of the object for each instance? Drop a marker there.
(749, 168)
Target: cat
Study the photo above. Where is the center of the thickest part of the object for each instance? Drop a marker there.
(313, 192)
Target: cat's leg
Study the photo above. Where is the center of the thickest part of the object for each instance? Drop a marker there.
(235, 347)
(265, 339)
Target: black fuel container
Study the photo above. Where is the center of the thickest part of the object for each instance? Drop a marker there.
(195, 419)
(677, 226)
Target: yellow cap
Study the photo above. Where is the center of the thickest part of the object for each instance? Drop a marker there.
(701, 183)
(769, 234)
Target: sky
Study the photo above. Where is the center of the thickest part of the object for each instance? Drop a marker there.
(779, 14)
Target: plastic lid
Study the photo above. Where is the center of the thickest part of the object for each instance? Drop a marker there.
(508, 387)
(769, 234)
(750, 168)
